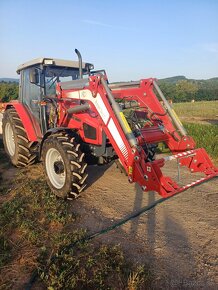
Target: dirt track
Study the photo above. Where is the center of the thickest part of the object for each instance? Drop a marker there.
(177, 239)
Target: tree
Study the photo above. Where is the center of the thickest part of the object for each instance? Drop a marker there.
(8, 91)
(186, 90)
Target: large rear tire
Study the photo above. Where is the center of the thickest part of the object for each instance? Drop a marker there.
(16, 143)
(64, 165)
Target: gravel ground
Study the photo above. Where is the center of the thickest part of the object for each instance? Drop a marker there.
(178, 238)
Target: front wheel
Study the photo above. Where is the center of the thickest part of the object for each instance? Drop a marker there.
(64, 165)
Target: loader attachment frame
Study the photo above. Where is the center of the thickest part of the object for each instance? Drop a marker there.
(130, 146)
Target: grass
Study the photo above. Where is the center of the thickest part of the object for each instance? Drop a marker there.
(88, 267)
(4, 166)
(206, 136)
(206, 109)
(34, 226)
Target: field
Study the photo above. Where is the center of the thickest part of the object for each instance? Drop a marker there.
(201, 122)
(204, 111)
(173, 246)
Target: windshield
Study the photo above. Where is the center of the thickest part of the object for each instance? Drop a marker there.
(58, 74)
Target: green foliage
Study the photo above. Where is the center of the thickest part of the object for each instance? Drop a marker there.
(8, 91)
(180, 89)
(186, 90)
(206, 136)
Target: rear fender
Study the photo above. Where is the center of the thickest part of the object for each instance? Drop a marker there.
(30, 124)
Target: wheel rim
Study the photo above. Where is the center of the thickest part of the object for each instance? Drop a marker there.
(9, 138)
(55, 168)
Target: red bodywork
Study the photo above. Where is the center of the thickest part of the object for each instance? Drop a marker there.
(102, 117)
(30, 124)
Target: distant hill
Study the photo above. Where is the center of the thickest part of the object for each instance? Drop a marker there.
(213, 79)
(183, 78)
(9, 80)
(182, 89)
(174, 79)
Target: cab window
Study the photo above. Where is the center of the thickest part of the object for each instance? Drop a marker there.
(53, 75)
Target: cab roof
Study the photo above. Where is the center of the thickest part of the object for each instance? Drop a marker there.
(52, 61)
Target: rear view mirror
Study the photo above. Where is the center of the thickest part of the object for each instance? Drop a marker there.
(34, 76)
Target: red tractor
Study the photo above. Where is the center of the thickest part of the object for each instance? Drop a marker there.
(69, 115)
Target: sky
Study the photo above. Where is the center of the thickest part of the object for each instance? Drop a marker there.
(130, 39)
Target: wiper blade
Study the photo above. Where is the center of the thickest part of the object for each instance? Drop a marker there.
(61, 73)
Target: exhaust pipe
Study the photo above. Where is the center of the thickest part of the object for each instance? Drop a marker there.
(80, 63)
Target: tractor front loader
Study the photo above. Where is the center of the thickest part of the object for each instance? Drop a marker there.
(69, 115)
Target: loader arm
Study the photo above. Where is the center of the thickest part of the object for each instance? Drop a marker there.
(164, 126)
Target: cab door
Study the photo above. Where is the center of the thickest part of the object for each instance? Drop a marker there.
(30, 94)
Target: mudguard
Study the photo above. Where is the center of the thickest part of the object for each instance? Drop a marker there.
(31, 126)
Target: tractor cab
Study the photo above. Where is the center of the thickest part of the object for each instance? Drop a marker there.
(38, 79)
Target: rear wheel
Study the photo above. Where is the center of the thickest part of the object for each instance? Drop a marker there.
(16, 143)
(64, 165)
